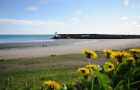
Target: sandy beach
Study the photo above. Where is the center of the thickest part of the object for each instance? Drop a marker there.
(62, 46)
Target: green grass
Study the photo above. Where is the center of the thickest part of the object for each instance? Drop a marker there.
(28, 73)
(60, 68)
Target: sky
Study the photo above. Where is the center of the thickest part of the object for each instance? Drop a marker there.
(70, 16)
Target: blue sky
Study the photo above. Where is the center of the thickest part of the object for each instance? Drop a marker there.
(69, 16)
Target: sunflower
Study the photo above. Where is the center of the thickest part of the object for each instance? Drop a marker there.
(93, 66)
(119, 55)
(134, 50)
(130, 59)
(107, 52)
(51, 85)
(84, 71)
(116, 54)
(126, 54)
(84, 52)
(108, 67)
(89, 53)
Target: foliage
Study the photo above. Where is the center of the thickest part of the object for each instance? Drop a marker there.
(121, 72)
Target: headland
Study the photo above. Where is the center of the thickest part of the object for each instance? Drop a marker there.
(95, 36)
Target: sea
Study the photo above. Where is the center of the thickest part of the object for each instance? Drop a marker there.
(25, 38)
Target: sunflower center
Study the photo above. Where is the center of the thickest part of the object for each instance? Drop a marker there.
(110, 66)
(83, 71)
(88, 55)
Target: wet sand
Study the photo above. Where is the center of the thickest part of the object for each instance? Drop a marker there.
(62, 46)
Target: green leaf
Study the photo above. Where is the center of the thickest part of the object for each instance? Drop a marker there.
(103, 80)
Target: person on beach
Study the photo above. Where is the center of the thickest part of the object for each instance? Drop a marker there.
(44, 45)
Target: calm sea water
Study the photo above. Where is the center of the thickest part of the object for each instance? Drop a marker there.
(24, 38)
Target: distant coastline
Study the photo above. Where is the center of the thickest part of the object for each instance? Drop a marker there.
(95, 36)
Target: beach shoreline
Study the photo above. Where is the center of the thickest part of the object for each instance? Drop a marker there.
(62, 46)
(48, 43)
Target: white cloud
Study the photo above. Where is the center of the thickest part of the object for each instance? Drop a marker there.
(135, 5)
(32, 8)
(124, 18)
(20, 22)
(46, 23)
(138, 25)
(126, 24)
(31, 22)
(136, 17)
(99, 17)
(132, 3)
(134, 22)
(31, 26)
(126, 2)
(131, 24)
(74, 20)
(71, 25)
(79, 12)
